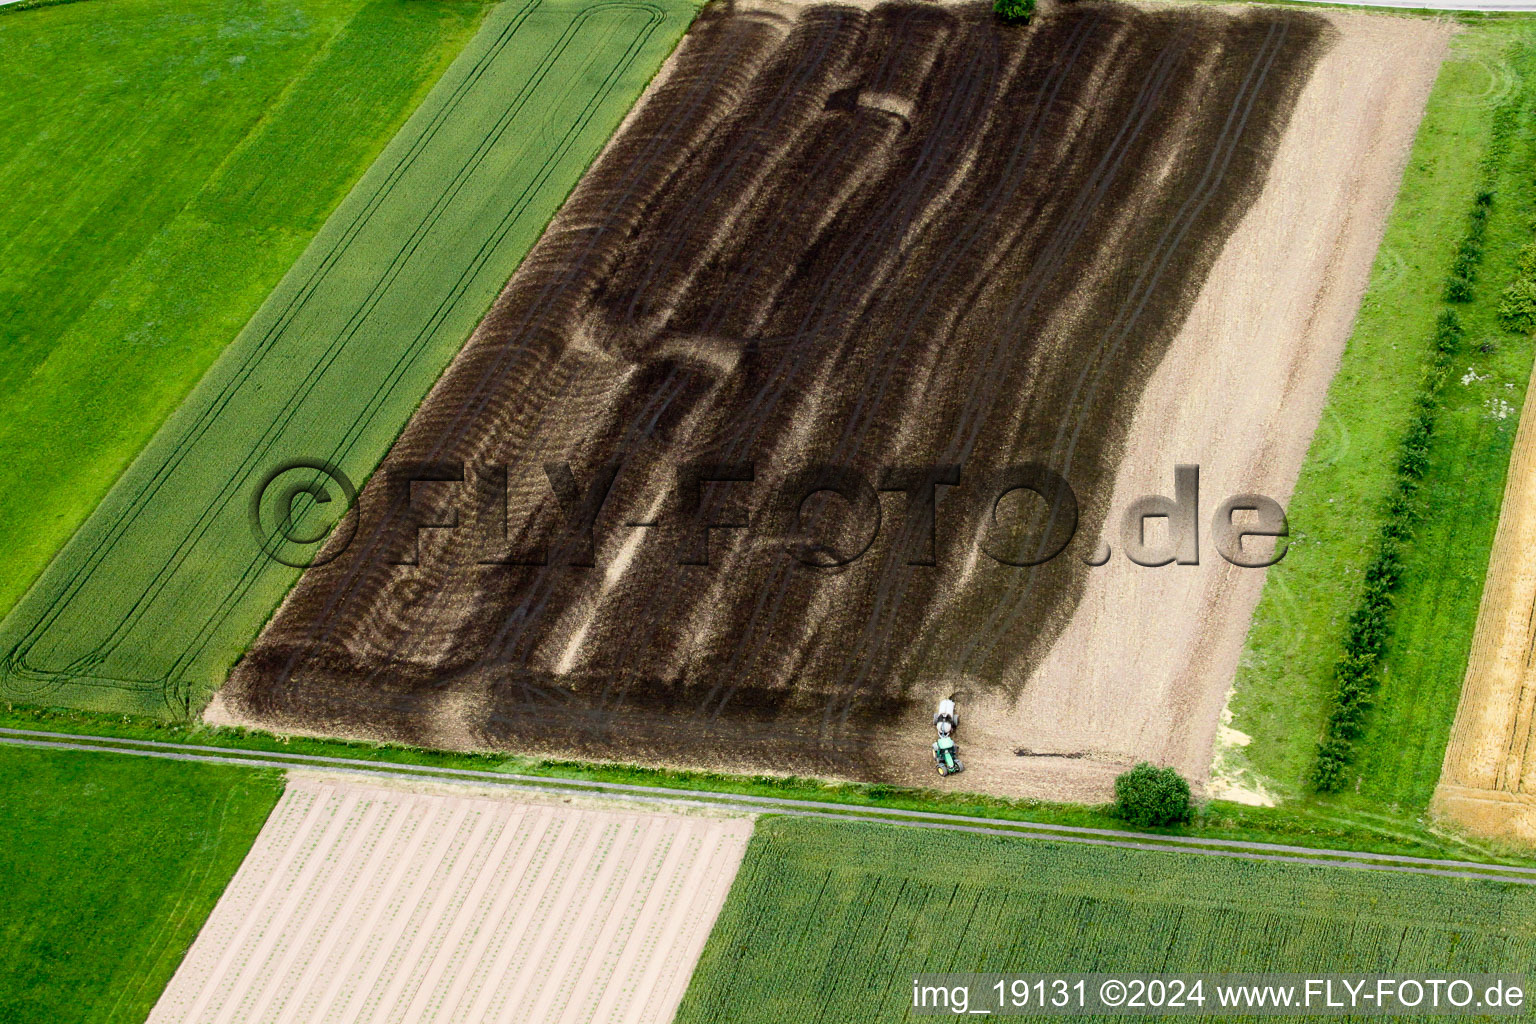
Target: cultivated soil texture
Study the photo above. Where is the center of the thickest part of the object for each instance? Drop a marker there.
(366, 903)
(1488, 782)
(1144, 667)
(858, 250)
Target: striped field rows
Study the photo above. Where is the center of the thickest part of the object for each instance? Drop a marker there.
(372, 904)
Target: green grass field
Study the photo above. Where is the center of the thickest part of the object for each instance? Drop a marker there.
(164, 164)
(1285, 679)
(108, 868)
(165, 585)
(829, 922)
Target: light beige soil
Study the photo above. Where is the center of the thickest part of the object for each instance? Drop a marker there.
(1143, 670)
(365, 903)
(1488, 781)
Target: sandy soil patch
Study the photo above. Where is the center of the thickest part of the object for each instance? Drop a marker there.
(371, 903)
(1488, 781)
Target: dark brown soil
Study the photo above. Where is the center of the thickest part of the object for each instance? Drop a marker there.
(904, 237)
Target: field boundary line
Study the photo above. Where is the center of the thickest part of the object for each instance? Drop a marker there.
(746, 803)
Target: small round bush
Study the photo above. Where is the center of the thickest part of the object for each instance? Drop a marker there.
(1014, 12)
(1149, 796)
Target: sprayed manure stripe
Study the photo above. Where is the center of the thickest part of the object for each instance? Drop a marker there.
(573, 270)
(1215, 173)
(959, 102)
(737, 448)
(987, 275)
(801, 72)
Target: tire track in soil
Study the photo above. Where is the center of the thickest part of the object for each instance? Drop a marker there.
(898, 236)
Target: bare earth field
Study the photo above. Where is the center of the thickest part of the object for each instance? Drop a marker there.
(366, 903)
(834, 248)
(1488, 782)
(1142, 670)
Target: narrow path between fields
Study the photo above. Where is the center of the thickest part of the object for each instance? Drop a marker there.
(1241, 849)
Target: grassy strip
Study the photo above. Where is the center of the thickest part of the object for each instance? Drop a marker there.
(829, 921)
(1370, 625)
(160, 591)
(1364, 830)
(1349, 496)
(1399, 755)
(111, 866)
(165, 162)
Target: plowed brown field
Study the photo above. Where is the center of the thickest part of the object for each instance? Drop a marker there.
(902, 236)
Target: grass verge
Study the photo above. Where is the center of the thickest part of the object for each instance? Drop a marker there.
(1285, 683)
(110, 867)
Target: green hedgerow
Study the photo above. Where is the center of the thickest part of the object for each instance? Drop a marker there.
(1014, 12)
(1328, 774)
(1465, 265)
(1148, 796)
(1527, 261)
(1458, 289)
(1447, 334)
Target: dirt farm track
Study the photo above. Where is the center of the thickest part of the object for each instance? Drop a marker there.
(859, 251)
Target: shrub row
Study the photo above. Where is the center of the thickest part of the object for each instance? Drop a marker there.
(1365, 638)
(1458, 286)
(1355, 674)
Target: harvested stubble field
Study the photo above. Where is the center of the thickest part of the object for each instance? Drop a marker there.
(878, 237)
(828, 922)
(360, 903)
(165, 585)
(1488, 783)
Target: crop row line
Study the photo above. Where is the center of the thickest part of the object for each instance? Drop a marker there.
(745, 803)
